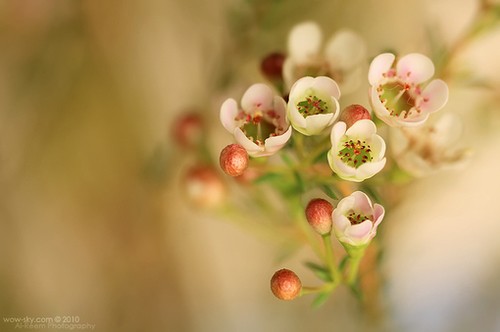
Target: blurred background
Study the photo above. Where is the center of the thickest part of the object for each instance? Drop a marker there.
(93, 217)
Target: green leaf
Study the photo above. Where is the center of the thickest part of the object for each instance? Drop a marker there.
(268, 177)
(343, 262)
(329, 191)
(320, 300)
(320, 271)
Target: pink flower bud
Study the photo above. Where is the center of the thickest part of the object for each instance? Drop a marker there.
(272, 66)
(233, 159)
(188, 130)
(353, 113)
(203, 186)
(319, 215)
(285, 285)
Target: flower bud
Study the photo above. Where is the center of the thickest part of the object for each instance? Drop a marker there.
(353, 113)
(319, 215)
(272, 66)
(203, 186)
(233, 159)
(188, 130)
(285, 285)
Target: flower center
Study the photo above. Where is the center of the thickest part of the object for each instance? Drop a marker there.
(355, 153)
(357, 218)
(312, 105)
(398, 98)
(259, 126)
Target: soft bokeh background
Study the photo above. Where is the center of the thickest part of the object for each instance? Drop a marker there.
(92, 220)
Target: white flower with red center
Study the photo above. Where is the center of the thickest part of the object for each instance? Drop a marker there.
(355, 219)
(341, 58)
(358, 152)
(260, 125)
(398, 94)
(313, 104)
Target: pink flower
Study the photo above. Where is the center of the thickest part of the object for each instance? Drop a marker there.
(397, 94)
(260, 125)
(355, 220)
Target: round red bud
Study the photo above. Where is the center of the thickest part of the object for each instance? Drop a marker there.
(188, 130)
(353, 113)
(285, 285)
(233, 159)
(272, 66)
(319, 215)
(203, 186)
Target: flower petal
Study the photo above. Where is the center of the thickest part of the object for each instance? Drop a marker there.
(345, 50)
(274, 143)
(360, 233)
(362, 202)
(304, 42)
(340, 222)
(338, 131)
(315, 124)
(297, 120)
(228, 112)
(378, 214)
(327, 85)
(435, 96)
(377, 145)
(258, 96)
(415, 68)
(252, 148)
(300, 87)
(380, 65)
(379, 108)
(362, 128)
(368, 170)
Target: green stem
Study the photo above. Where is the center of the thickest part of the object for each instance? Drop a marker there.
(353, 269)
(330, 261)
(328, 287)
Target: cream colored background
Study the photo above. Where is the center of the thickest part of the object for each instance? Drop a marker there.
(84, 232)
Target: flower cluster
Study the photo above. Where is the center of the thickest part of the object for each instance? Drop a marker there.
(296, 135)
(301, 115)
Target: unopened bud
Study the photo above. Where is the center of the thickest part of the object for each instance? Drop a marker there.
(272, 66)
(353, 113)
(233, 159)
(285, 285)
(319, 215)
(203, 186)
(188, 130)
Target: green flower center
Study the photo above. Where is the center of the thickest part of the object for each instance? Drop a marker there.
(397, 98)
(312, 105)
(355, 153)
(260, 126)
(357, 218)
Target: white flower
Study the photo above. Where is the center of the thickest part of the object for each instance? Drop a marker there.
(341, 58)
(358, 152)
(355, 219)
(425, 150)
(260, 126)
(397, 95)
(313, 104)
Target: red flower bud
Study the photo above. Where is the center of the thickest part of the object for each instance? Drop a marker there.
(203, 186)
(319, 215)
(233, 159)
(272, 66)
(285, 285)
(353, 113)
(188, 130)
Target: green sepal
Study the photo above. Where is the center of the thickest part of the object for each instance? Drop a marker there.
(320, 271)
(320, 299)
